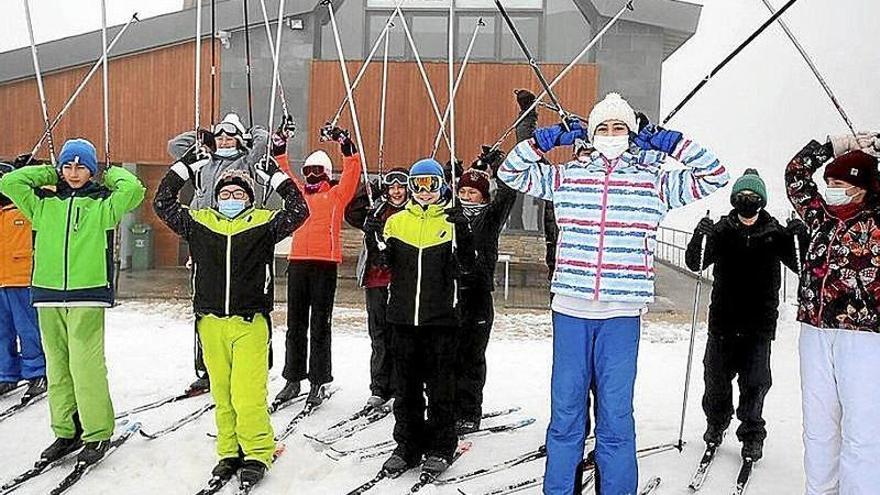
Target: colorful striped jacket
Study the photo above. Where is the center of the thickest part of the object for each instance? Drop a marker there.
(608, 212)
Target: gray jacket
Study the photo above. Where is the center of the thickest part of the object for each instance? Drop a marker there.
(203, 197)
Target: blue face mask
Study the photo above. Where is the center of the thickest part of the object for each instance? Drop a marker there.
(226, 152)
(231, 208)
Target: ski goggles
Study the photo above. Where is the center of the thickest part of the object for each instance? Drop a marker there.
(426, 183)
(397, 177)
(314, 170)
(227, 128)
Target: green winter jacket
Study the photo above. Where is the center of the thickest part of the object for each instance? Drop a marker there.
(73, 242)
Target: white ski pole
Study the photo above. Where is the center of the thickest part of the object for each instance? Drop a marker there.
(105, 77)
(276, 54)
(198, 66)
(690, 360)
(381, 155)
(39, 76)
(350, 97)
(451, 92)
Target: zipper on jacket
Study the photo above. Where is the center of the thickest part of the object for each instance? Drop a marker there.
(76, 221)
(228, 269)
(608, 168)
(268, 279)
(827, 265)
(67, 240)
(419, 268)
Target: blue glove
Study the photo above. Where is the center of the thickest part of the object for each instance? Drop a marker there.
(657, 138)
(548, 138)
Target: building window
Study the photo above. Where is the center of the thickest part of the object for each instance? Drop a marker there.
(529, 28)
(430, 34)
(484, 44)
(397, 44)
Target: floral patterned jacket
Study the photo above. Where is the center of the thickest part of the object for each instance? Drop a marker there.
(839, 283)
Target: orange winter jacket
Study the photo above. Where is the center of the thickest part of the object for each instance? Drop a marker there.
(320, 237)
(16, 248)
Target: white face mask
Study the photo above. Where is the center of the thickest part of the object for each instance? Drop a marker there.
(226, 152)
(611, 146)
(836, 196)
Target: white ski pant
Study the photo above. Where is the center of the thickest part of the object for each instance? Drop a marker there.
(840, 386)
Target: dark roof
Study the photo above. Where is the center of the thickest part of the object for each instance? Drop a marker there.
(678, 18)
(154, 32)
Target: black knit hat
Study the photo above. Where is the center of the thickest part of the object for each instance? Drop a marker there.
(239, 178)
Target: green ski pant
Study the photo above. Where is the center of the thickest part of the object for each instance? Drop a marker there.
(73, 340)
(236, 352)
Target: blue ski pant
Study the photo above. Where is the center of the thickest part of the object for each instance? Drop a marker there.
(601, 353)
(21, 352)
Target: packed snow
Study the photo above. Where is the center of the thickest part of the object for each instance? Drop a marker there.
(149, 351)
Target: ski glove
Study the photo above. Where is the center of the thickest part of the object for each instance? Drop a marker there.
(374, 225)
(869, 142)
(455, 215)
(488, 160)
(705, 227)
(547, 138)
(279, 143)
(652, 137)
(265, 169)
(797, 228)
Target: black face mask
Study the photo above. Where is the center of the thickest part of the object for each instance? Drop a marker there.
(316, 179)
(747, 205)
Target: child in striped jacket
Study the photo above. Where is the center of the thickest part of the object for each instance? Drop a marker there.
(608, 205)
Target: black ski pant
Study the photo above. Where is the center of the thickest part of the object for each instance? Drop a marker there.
(424, 364)
(380, 339)
(311, 288)
(748, 359)
(198, 355)
(477, 313)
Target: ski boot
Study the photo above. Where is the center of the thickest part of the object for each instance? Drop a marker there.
(92, 452)
(60, 448)
(753, 449)
(375, 402)
(226, 468)
(290, 390)
(434, 466)
(36, 386)
(465, 426)
(714, 435)
(316, 395)
(7, 387)
(252, 472)
(200, 386)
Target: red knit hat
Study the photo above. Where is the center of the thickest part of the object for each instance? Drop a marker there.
(477, 179)
(855, 167)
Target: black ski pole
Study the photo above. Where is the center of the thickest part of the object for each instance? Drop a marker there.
(727, 59)
(563, 115)
(813, 68)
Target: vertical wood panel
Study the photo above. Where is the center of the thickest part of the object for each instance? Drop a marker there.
(151, 100)
(484, 106)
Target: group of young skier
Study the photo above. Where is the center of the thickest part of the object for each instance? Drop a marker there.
(427, 269)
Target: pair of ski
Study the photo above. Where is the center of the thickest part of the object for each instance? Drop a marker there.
(425, 478)
(706, 461)
(79, 470)
(386, 447)
(537, 481)
(25, 402)
(351, 425)
(189, 394)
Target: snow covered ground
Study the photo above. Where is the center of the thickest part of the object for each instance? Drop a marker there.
(149, 348)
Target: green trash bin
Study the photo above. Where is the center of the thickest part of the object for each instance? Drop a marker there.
(141, 247)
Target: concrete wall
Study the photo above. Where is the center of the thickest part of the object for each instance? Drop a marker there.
(630, 56)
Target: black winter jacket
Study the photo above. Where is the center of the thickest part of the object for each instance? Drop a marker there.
(486, 227)
(745, 292)
(233, 259)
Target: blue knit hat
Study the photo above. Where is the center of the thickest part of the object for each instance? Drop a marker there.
(427, 166)
(79, 151)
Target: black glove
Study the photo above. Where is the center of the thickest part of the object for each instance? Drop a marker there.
(265, 169)
(447, 170)
(374, 225)
(488, 160)
(341, 136)
(279, 143)
(455, 215)
(641, 121)
(705, 227)
(524, 98)
(206, 139)
(22, 160)
(288, 126)
(796, 227)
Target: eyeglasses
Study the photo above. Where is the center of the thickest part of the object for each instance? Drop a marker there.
(396, 177)
(236, 194)
(313, 170)
(427, 183)
(227, 128)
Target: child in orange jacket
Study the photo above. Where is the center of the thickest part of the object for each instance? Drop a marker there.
(315, 255)
(21, 352)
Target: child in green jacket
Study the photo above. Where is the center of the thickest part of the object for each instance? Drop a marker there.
(72, 284)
